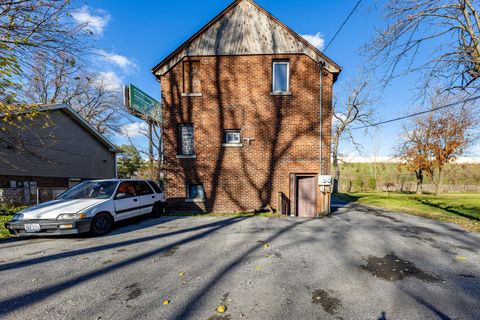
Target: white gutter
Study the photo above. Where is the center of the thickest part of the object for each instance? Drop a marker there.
(321, 65)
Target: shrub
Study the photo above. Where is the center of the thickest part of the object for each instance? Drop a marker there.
(7, 210)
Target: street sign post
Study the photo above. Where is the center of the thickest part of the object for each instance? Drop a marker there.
(141, 104)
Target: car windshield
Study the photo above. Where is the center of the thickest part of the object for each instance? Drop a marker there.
(90, 190)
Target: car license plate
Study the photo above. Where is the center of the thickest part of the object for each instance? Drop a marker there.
(33, 227)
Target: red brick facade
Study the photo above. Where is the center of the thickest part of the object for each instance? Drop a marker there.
(283, 131)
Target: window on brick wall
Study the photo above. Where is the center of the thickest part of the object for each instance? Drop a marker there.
(195, 191)
(191, 77)
(232, 137)
(186, 140)
(281, 75)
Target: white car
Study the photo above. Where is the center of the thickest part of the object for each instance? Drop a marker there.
(91, 206)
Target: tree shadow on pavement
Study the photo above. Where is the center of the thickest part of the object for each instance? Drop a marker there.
(20, 301)
(196, 298)
(63, 255)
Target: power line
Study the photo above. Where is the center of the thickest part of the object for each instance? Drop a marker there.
(342, 25)
(417, 114)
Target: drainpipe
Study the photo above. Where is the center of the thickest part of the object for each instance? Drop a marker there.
(321, 64)
(326, 201)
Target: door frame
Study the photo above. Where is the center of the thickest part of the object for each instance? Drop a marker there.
(294, 190)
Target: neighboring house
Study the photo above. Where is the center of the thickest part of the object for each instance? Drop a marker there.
(57, 155)
(241, 111)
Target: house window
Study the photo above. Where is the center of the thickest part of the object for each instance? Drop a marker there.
(186, 138)
(281, 74)
(196, 192)
(233, 137)
(191, 77)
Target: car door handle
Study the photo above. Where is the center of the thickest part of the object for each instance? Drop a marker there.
(135, 200)
(153, 197)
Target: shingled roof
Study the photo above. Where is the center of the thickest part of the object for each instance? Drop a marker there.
(244, 28)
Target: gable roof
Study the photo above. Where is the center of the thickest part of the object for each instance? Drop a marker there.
(244, 27)
(82, 122)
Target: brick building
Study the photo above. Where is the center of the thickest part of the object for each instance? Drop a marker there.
(242, 119)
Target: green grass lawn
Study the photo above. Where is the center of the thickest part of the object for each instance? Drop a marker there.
(463, 209)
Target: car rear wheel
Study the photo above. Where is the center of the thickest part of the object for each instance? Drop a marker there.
(101, 224)
(158, 209)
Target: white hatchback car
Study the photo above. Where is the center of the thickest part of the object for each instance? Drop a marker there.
(91, 206)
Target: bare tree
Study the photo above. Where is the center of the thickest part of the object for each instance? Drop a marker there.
(60, 79)
(353, 109)
(30, 26)
(438, 39)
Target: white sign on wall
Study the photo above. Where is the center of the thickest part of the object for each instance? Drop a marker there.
(324, 180)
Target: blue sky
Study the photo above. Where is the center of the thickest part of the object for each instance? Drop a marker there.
(135, 36)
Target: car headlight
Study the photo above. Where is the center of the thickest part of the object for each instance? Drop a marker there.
(71, 216)
(17, 217)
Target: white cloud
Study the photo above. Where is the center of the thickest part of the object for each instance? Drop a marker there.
(134, 129)
(111, 80)
(315, 39)
(95, 22)
(117, 59)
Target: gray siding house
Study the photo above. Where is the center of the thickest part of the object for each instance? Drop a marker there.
(57, 155)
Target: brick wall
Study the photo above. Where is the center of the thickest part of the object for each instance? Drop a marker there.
(236, 94)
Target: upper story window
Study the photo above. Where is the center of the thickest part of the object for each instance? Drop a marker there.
(191, 77)
(186, 139)
(281, 75)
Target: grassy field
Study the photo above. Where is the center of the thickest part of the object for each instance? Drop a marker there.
(462, 209)
(366, 177)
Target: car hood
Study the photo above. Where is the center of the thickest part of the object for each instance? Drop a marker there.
(51, 209)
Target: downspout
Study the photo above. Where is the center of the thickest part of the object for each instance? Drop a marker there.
(325, 205)
(321, 65)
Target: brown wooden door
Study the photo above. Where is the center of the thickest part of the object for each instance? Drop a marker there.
(306, 197)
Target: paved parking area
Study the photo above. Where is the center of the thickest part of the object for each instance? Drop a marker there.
(358, 264)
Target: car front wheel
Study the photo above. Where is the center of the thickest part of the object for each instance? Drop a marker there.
(101, 224)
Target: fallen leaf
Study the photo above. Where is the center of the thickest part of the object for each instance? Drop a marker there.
(181, 274)
(258, 268)
(165, 302)
(460, 258)
(266, 245)
(221, 309)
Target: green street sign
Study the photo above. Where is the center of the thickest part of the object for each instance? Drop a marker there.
(140, 103)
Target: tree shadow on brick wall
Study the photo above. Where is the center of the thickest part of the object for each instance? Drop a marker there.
(279, 130)
(280, 134)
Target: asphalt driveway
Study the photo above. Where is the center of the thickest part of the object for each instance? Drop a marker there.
(358, 264)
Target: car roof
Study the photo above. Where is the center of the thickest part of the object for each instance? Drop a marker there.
(116, 180)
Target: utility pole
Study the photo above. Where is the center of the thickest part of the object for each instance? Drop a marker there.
(150, 147)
